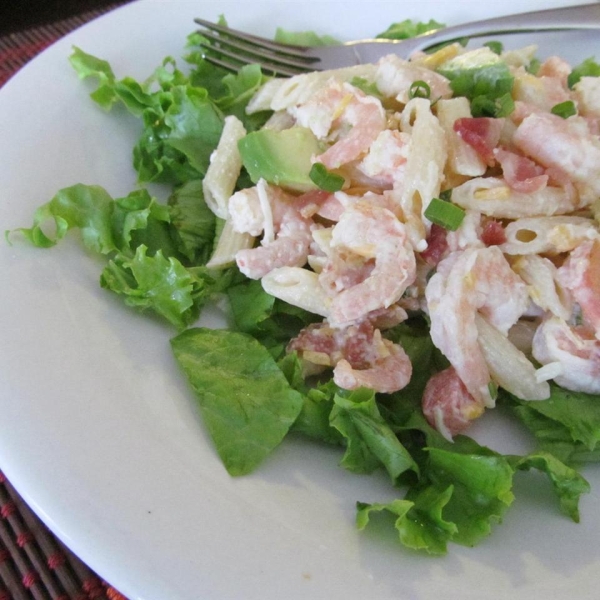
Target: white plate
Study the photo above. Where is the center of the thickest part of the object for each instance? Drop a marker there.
(99, 431)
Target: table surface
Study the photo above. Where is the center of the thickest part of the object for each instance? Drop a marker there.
(34, 564)
(26, 14)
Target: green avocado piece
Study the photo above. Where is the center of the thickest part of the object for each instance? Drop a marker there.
(281, 157)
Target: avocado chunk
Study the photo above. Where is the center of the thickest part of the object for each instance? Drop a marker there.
(281, 157)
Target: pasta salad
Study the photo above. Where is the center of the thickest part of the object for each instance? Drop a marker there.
(507, 271)
(400, 247)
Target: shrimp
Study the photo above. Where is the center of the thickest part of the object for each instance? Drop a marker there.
(580, 274)
(574, 351)
(447, 404)
(566, 145)
(391, 369)
(370, 244)
(386, 159)
(466, 282)
(396, 75)
(344, 113)
(359, 355)
(587, 96)
(541, 92)
(286, 233)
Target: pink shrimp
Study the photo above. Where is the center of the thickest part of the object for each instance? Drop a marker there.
(374, 243)
(557, 68)
(359, 355)
(565, 145)
(384, 164)
(466, 282)
(348, 115)
(391, 370)
(576, 352)
(318, 202)
(580, 274)
(291, 232)
(544, 90)
(447, 404)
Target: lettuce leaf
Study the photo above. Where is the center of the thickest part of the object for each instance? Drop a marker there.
(246, 402)
(567, 483)
(87, 208)
(472, 485)
(270, 320)
(313, 420)
(419, 522)
(409, 29)
(567, 424)
(106, 225)
(193, 223)
(194, 125)
(139, 219)
(482, 483)
(303, 38)
(158, 283)
(370, 441)
(182, 115)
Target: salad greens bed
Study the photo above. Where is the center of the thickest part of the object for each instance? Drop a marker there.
(250, 392)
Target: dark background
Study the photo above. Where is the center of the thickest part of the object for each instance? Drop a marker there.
(21, 14)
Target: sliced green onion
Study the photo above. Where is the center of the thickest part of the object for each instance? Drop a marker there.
(495, 47)
(588, 68)
(482, 106)
(505, 105)
(324, 179)
(445, 214)
(564, 109)
(534, 66)
(419, 89)
(493, 389)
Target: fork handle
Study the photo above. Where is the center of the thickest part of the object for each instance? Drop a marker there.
(583, 16)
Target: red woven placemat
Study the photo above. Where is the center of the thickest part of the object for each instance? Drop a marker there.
(34, 564)
(18, 48)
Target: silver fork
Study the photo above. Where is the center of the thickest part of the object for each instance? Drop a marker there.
(233, 49)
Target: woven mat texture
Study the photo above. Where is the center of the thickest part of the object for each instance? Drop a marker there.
(18, 48)
(34, 564)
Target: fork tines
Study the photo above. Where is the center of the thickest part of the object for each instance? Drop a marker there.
(233, 49)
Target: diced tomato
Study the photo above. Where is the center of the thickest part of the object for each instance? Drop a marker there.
(437, 245)
(447, 403)
(493, 233)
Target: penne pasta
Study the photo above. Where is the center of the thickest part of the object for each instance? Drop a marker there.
(547, 235)
(281, 94)
(493, 197)
(224, 169)
(424, 170)
(299, 287)
(508, 366)
(463, 159)
(230, 242)
(540, 275)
